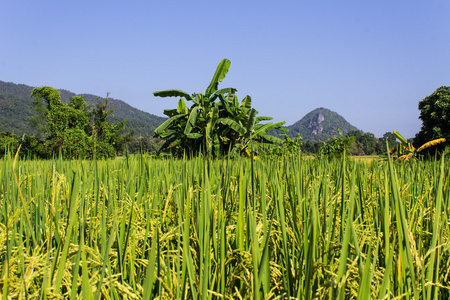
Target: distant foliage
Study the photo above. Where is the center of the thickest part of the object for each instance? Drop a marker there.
(310, 147)
(337, 146)
(30, 146)
(75, 129)
(367, 144)
(289, 147)
(144, 145)
(435, 116)
(9, 142)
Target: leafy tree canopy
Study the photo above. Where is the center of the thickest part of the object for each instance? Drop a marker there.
(73, 129)
(435, 116)
(337, 146)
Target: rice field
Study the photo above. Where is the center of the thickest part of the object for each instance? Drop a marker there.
(365, 158)
(280, 228)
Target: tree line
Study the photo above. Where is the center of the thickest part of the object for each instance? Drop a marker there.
(73, 130)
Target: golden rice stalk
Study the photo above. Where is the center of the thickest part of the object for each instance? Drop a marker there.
(431, 143)
(406, 157)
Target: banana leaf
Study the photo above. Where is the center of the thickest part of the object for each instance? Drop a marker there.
(230, 98)
(229, 91)
(263, 129)
(167, 143)
(182, 108)
(216, 145)
(405, 143)
(170, 112)
(198, 99)
(167, 133)
(219, 76)
(173, 93)
(247, 102)
(262, 118)
(213, 117)
(400, 138)
(191, 120)
(233, 125)
(225, 104)
(272, 139)
(235, 101)
(167, 123)
(250, 124)
(283, 129)
(194, 135)
(430, 144)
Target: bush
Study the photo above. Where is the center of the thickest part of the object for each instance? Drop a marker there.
(288, 147)
(9, 142)
(337, 146)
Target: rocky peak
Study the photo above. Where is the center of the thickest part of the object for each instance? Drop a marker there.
(315, 123)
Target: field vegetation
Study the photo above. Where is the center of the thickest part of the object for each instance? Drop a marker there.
(279, 227)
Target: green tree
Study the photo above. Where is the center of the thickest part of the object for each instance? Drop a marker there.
(47, 102)
(144, 145)
(104, 132)
(355, 148)
(9, 142)
(435, 116)
(311, 147)
(216, 123)
(337, 146)
(368, 142)
(63, 125)
(388, 137)
(73, 129)
(288, 147)
(32, 147)
(365, 143)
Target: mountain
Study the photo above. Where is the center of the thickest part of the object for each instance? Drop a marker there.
(16, 108)
(319, 124)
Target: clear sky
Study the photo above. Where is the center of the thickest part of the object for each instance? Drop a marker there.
(370, 61)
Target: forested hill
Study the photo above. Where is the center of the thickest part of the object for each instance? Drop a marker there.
(16, 108)
(320, 124)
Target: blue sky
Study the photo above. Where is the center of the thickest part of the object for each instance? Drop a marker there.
(370, 61)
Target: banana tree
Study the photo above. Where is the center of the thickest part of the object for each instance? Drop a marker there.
(406, 150)
(215, 123)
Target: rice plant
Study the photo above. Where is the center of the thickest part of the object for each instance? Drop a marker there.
(274, 228)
